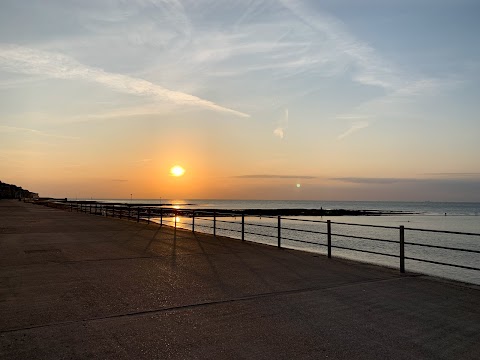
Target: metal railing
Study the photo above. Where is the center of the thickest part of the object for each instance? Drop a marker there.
(277, 229)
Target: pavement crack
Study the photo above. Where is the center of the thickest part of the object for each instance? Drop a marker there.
(202, 304)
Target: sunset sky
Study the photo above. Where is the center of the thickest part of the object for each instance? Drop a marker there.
(276, 99)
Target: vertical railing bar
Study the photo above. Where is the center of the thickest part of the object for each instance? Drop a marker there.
(243, 226)
(214, 223)
(329, 238)
(175, 229)
(402, 249)
(279, 229)
(193, 221)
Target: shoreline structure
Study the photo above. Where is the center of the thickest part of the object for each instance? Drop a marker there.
(229, 212)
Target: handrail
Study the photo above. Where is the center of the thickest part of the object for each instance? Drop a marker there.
(139, 212)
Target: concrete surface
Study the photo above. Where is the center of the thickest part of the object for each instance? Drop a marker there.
(79, 286)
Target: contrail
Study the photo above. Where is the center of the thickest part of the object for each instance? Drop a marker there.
(25, 60)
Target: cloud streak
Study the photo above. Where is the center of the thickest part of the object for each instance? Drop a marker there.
(30, 61)
(282, 125)
(391, 181)
(370, 69)
(9, 129)
(355, 126)
(374, 181)
(266, 176)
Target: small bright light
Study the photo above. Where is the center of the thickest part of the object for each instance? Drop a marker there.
(298, 185)
(177, 170)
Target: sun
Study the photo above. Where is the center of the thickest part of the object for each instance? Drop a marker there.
(177, 170)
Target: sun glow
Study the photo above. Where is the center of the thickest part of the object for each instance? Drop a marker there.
(177, 170)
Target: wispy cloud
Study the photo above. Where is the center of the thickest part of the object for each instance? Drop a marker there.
(143, 162)
(426, 180)
(36, 62)
(355, 126)
(378, 181)
(10, 129)
(454, 174)
(282, 126)
(266, 176)
(365, 65)
(389, 105)
(369, 67)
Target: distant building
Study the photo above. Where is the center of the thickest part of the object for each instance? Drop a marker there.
(9, 191)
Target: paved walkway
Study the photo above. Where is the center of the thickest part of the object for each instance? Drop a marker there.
(80, 286)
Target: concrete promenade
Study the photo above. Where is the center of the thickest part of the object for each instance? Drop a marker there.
(79, 286)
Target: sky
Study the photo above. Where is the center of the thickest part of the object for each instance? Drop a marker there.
(274, 99)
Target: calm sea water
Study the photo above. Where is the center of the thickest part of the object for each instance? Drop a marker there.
(448, 216)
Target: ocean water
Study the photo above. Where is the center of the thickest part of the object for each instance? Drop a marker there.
(308, 233)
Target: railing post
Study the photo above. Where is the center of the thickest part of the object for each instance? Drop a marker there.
(138, 214)
(279, 228)
(243, 226)
(175, 229)
(148, 216)
(329, 238)
(161, 216)
(113, 211)
(402, 249)
(129, 210)
(193, 221)
(214, 223)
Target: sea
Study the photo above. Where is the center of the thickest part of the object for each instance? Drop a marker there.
(358, 238)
